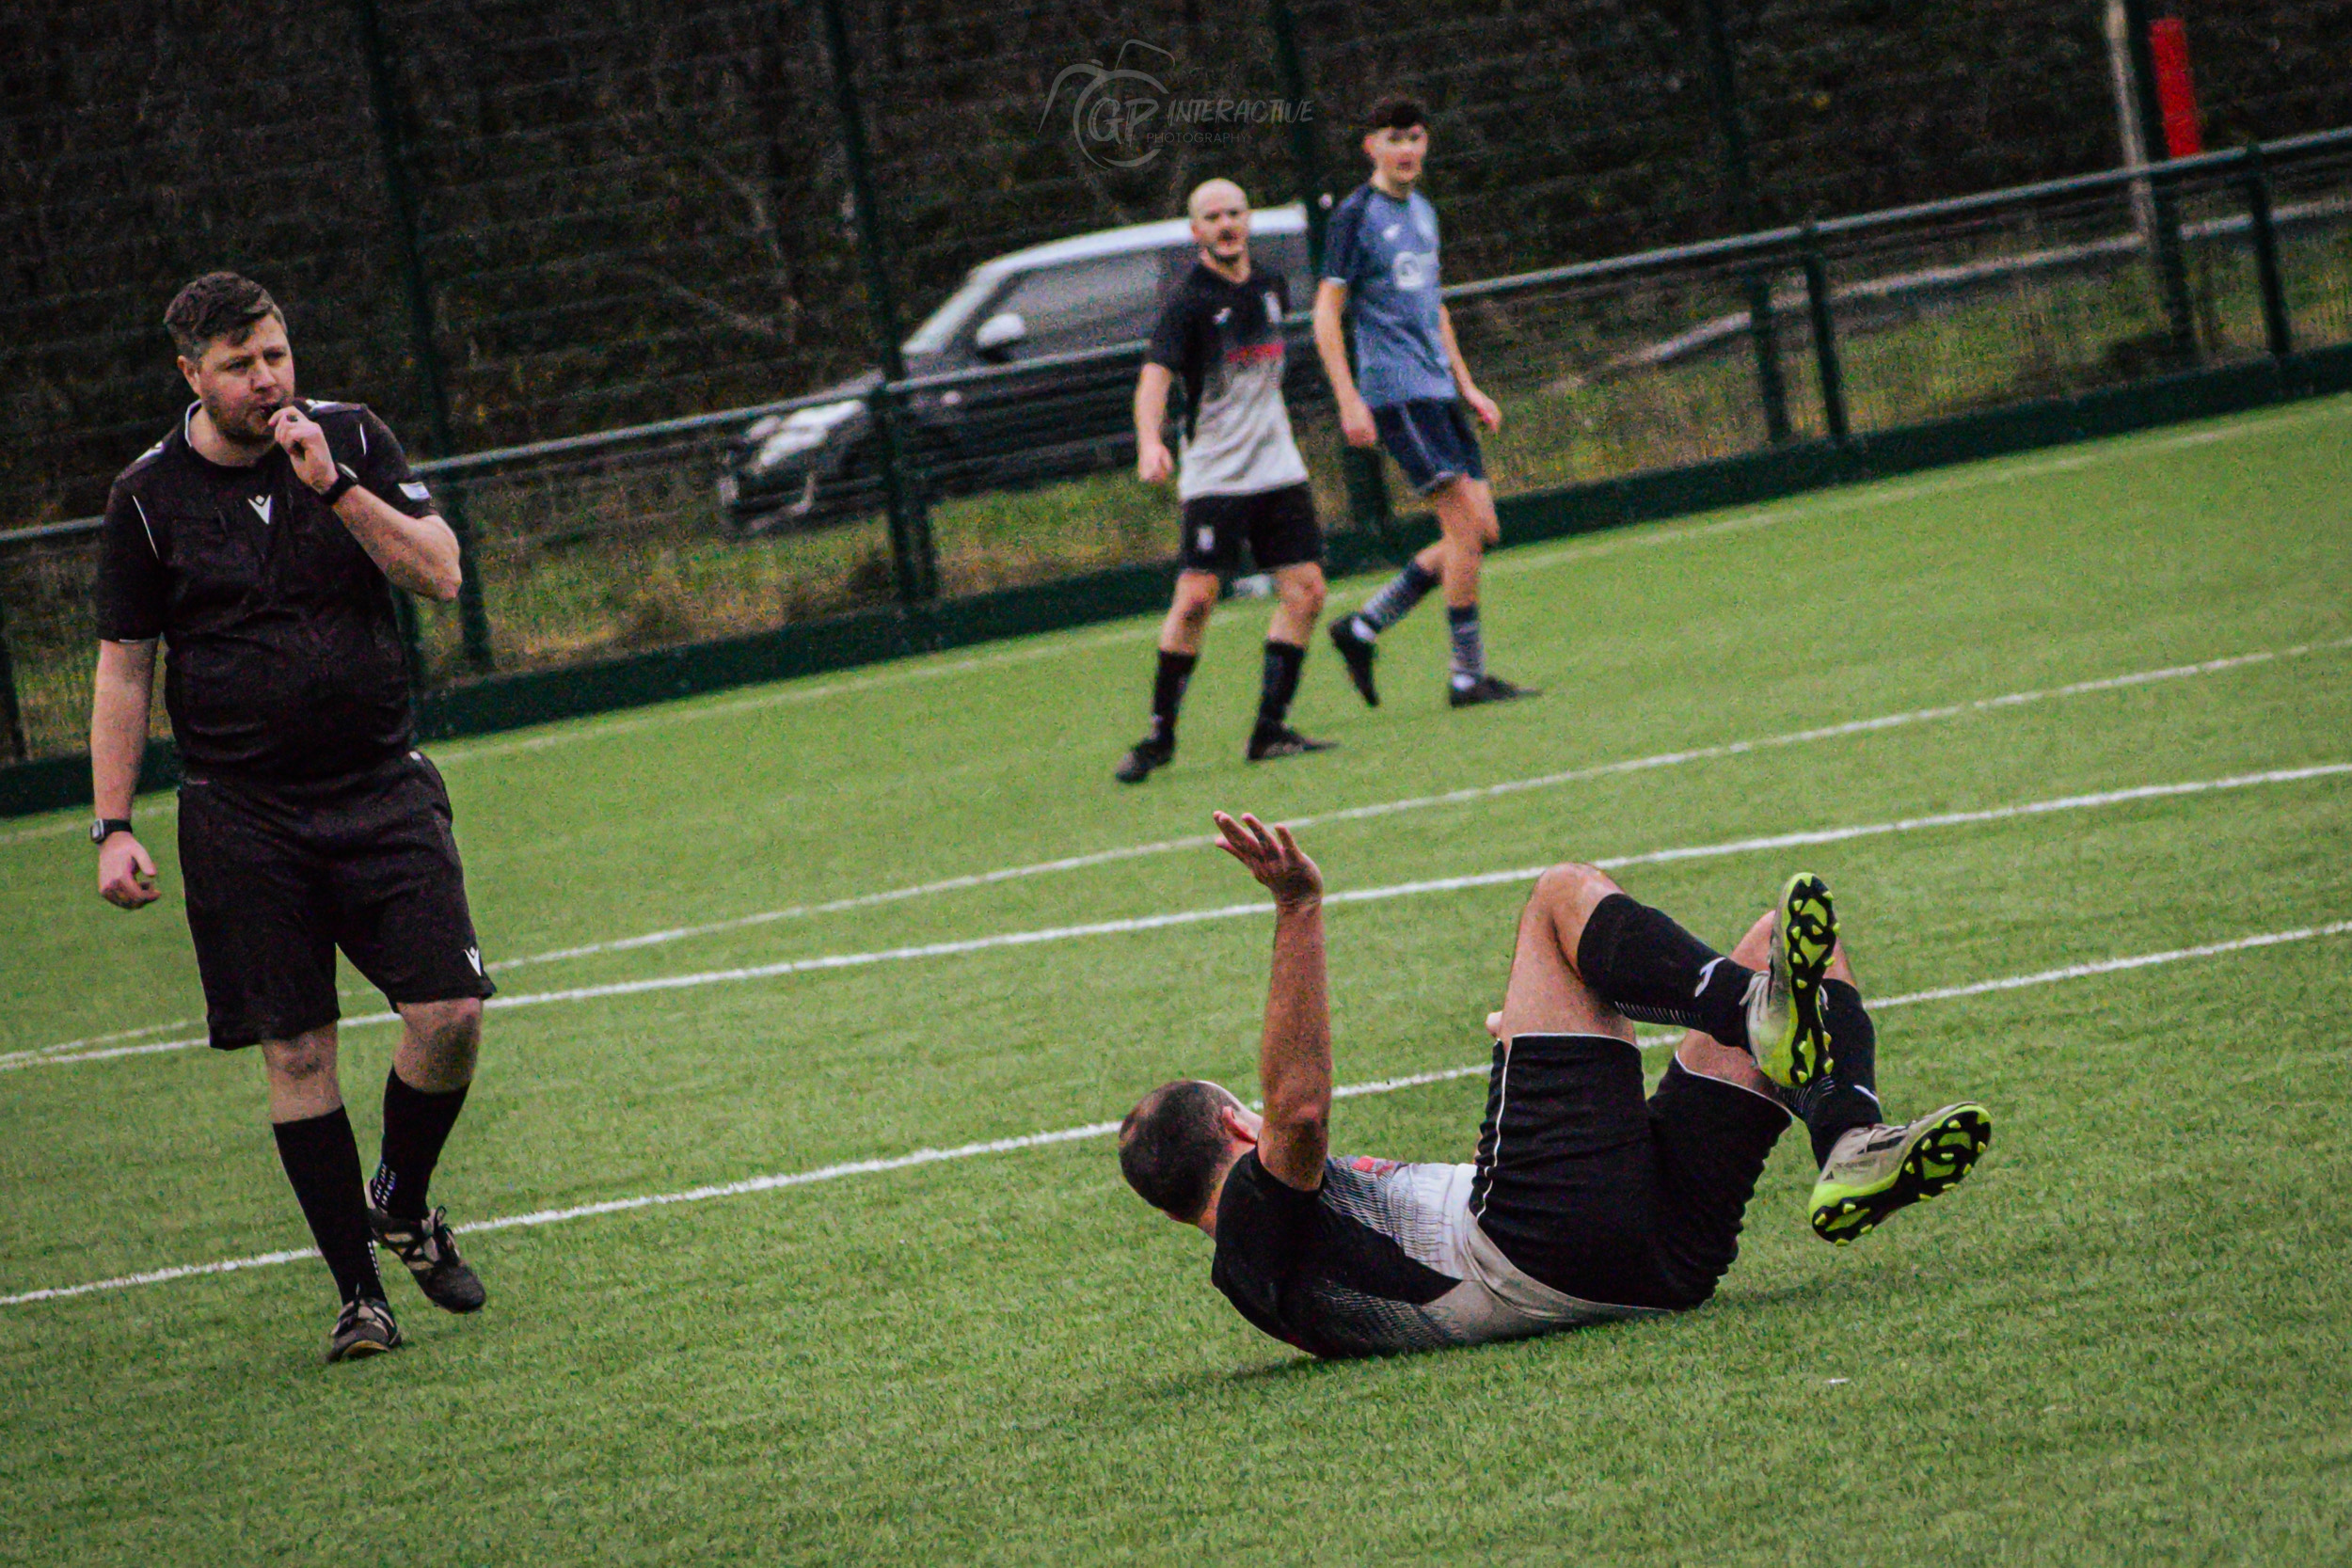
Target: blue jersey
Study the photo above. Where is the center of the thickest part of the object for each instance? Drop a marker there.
(1386, 252)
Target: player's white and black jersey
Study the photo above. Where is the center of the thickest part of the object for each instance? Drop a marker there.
(1382, 1257)
(1223, 341)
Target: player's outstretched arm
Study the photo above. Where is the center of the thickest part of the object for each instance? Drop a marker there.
(1295, 1055)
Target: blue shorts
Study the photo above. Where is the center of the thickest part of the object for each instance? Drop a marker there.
(1431, 440)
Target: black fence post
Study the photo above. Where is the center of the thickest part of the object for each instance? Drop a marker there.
(2164, 198)
(1731, 130)
(1359, 471)
(473, 617)
(11, 715)
(1825, 338)
(2278, 326)
(913, 556)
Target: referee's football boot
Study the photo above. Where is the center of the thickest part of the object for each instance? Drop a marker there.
(1486, 689)
(1268, 742)
(362, 1328)
(1356, 651)
(1787, 1033)
(1146, 755)
(1873, 1171)
(430, 1253)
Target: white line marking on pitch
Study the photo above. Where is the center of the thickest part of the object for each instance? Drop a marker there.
(1458, 797)
(1423, 802)
(1104, 1129)
(1230, 911)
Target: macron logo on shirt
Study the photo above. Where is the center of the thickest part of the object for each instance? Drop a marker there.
(261, 505)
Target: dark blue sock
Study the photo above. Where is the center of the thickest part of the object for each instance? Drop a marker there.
(1469, 646)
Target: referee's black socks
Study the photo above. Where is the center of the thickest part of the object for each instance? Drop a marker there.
(415, 1125)
(1653, 971)
(322, 1159)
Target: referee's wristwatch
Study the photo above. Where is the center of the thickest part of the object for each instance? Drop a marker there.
(344, 480)
(106, 827)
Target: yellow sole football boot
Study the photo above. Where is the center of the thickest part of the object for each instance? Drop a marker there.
(1786, 1032)
(1876, 1170)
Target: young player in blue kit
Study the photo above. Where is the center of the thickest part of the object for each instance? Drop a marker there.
(1408, 393)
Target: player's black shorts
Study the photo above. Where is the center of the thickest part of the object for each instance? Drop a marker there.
(1279, 525)
(1604, 1195)
(279, 875)
(1431, 440)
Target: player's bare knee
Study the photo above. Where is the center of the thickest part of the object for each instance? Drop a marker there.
(1755, 950)
(1838, 967)
(302, 1060)
(1303, 597)
(1194, 600)
(447, 1027)
(1568, 892)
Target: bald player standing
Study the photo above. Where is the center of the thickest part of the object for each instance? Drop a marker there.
(1239, 475)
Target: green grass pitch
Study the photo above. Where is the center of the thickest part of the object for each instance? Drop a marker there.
(2122, 1340)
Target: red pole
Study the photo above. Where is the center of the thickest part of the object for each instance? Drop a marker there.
(2176, 94)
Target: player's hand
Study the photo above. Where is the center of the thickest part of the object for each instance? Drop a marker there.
(1489, 412)
(1355, 424)
(1273, 857)
(306, 443)
(1153, 463)
(126, 873)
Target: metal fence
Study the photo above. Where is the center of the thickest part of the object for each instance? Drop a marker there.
(606, 544)
(546, 221)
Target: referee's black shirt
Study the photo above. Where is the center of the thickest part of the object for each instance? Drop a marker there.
(284, 660)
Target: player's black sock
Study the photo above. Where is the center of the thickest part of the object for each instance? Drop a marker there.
(1469, 646)
(1650, 968)
(1280, 682)
(1402, 592)
(1846, 1097)
(322, 1159)
(415, 1125)
(1167, 694)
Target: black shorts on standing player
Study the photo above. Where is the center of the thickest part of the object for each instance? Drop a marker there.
(1219, 347)
(1279, 526)
(260, 542)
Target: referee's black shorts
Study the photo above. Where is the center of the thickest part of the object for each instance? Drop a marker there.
(279, 875)
(1279, 526)
(1612, 1199)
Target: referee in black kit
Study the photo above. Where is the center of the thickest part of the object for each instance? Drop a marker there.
(262, 539)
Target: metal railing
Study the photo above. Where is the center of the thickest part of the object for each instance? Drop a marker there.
(590, 545)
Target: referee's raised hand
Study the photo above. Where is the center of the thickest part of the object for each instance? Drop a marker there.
(306, 443)
(126, 873)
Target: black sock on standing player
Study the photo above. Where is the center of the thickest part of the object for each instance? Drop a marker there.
(1280, 682)
(1167, 694)
(415, 1125)
(1650, 968)
(1846, 1097)
(322, 1159)
(1401, 594)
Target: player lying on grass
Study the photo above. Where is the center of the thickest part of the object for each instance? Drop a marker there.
(1585, 1201)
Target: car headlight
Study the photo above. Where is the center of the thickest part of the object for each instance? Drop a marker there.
(799, 431)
